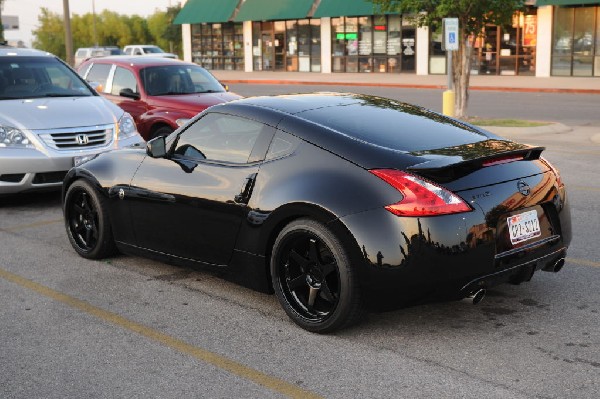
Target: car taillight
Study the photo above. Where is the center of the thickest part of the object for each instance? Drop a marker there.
(421, 197)
(555, 171)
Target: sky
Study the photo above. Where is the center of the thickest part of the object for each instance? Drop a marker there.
(28, 11)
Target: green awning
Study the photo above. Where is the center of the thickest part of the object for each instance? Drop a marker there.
(345, 8)
(565, 2)
(273, 10)
(202, 11)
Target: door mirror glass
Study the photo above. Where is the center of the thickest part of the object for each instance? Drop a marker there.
(157, 148)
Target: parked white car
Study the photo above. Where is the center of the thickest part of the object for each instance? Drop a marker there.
(51, 120)
(147, 50)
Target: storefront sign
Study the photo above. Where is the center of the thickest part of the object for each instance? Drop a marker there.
(530, 30)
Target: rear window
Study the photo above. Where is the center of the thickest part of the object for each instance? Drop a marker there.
(394, 125)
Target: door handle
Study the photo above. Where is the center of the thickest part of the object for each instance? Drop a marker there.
(246, 192)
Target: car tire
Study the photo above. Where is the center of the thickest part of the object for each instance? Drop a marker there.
(313, 278)
(87, 223)
(161, 131)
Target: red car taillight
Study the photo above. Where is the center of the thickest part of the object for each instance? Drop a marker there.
(559, 181)
(421, 197)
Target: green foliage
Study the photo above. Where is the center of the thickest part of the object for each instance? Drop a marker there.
(111, 29)
(472, 14)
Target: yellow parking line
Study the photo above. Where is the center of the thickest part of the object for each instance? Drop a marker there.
(584, 188)
(583, 262)
(30, 226)
(204, 355)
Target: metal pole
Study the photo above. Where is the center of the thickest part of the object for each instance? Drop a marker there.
(450, 77)
(94, 23)
(68, 35)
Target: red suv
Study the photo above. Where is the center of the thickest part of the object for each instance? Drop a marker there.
(160, 93)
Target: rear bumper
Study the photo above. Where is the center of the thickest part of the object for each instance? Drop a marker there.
(403, 260)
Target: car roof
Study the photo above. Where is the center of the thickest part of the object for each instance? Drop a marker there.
(368, 130)
(26, 52)
(136, 60)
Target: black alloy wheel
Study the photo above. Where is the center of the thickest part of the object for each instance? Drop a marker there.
(312, 278)
(86, 221)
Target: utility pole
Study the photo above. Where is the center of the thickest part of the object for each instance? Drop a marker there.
(68, 35)
(1, 26)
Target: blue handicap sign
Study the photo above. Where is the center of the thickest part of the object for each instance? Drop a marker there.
(451, 37)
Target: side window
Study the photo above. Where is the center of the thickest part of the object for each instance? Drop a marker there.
(99, 73)
(127, 51)
(137, 51)
(123, 79)
(221, 138)
(282, 144)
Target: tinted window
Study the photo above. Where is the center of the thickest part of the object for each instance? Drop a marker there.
(99, 74)
(178, 79)
(123, 79)
(283, 144)
(221, 138)
(394, 125)
(34, 77)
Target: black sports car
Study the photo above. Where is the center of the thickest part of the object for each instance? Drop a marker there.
(336, 202)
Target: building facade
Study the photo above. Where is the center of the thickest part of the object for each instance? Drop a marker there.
(548, 38)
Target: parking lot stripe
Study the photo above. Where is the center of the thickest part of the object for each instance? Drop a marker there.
(30, 226)
(585, 188)
(583, 262)
(204, 355)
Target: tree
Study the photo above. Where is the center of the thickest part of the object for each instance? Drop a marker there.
(472, 16)
(112, 29)
(50, 36)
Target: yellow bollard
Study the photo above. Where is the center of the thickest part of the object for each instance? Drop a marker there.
(448, 103)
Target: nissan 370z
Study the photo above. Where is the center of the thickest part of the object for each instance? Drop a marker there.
(335, 202)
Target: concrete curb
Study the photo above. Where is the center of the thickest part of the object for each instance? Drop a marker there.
(552, 128)
(267, 81)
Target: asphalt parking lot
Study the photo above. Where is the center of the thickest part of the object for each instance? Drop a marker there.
(129, 327)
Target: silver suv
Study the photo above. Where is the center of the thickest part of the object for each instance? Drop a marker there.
(50, 120)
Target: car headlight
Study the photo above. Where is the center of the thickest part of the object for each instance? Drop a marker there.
(126, 126)
(13, 137)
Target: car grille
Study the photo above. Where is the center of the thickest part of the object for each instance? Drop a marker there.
(77, 138)
(49, 177)
(12, 178)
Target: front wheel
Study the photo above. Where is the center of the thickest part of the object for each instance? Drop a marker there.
(87, 223)
(313, 278)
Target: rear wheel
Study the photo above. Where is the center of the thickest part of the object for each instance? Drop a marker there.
(313, 278)
(87, 223)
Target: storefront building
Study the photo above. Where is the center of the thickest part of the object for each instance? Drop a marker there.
(549, 38)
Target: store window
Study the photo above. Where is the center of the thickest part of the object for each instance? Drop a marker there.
(506, 50)
(218, 46)
(379, 44)
(575, 41)
(293, 45)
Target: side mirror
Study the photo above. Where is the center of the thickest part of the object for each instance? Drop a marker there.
(157, 147)
(127, 92)
(224, 86)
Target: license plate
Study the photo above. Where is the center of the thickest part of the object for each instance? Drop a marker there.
(523, 226)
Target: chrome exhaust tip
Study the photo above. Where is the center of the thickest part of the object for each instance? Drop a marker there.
(556, 267)
(477, 296)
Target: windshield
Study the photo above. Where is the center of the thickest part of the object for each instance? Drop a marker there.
(178, 79)
(152, 50)
(35, 77)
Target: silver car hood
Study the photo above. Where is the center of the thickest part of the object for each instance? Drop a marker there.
(58, 112)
